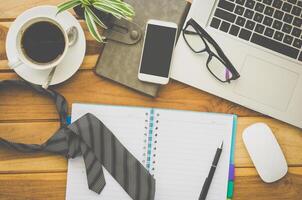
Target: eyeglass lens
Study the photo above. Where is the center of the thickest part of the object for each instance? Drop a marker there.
(218, 69)
(215, 65)
(193, 39)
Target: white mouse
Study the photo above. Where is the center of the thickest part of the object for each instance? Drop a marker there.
(265, 152)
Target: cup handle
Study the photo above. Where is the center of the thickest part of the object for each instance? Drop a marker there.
(15, 63)
(72, 34)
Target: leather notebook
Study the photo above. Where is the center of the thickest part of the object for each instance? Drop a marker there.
(120, 58)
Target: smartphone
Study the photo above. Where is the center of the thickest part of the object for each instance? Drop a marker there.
(157, 51)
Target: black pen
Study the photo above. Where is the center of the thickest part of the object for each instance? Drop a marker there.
(207, 182)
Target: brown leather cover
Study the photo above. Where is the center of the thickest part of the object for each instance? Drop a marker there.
(120, 62)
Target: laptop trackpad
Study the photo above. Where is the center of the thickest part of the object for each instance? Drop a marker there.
(266, 83)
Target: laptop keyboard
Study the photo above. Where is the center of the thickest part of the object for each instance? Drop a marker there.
(273, 24)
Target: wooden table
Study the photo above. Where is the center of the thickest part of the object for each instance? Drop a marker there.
(29, 118)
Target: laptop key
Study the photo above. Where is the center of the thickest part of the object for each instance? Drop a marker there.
(274, 45)
(268, 21)
(269, 11)
(296, 11)
(288, 18)
(297, 43)
(278, 14)
(288, 39)
(268, 2)
(245, 34)
(299, 3)
(241, 2)
(250, 25)
(234, 30)
(215, 22)
(225, 26)
(278, 35)
(277, 4)
(296, 32)
(226, 5)
(258, 17)
(249, 13)
(250, 4)
(297, 22)
(277, 24)
(259, 28)
(292, 1)
(286, 28)
(269, 32)
(300, 57)
(230, 17)
(259, 7)
(286, 7)
(239, 10)
(240, 21)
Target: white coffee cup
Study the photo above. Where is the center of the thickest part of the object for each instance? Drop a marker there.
(22, 58)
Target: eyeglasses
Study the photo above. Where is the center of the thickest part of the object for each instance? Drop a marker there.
(200, 41)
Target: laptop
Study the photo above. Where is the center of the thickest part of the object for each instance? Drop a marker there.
(263, 40)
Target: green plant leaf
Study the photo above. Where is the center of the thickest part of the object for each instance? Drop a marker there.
(86, 2)
(67, 5)
(123, 7)
(117, 7)
(92, 27)
(95, 18)
(105, 6)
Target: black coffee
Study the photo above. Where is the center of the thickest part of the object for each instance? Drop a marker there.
(43, 42)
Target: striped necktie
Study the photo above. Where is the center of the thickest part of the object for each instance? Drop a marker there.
(89, 137)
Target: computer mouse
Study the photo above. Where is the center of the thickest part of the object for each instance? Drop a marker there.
(265, 152)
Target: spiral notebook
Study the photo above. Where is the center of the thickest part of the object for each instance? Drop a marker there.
(177, 147)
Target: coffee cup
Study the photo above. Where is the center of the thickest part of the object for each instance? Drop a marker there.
(41, 44)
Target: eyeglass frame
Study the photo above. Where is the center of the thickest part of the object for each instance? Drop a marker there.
(221, 56)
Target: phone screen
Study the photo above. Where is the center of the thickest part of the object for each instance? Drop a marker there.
(158, 49)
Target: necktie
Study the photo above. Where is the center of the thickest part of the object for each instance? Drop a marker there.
(89, 137)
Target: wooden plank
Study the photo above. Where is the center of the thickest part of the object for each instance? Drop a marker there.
(29, 133)
(93, 49)
(248, 185)
(52, 186)
(85, 86)
(12, 8)
(13, 162)
(33, 186)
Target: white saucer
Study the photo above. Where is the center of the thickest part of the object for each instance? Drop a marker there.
(71, 62)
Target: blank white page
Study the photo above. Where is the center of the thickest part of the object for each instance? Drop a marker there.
(185, 147)
(128, 125)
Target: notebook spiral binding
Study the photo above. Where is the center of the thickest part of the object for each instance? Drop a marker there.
(150, 141)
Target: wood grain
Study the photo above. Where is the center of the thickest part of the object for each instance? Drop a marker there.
(29, 133)
(248, 185)
(3, 34)
(12, 8)
(52, 186)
